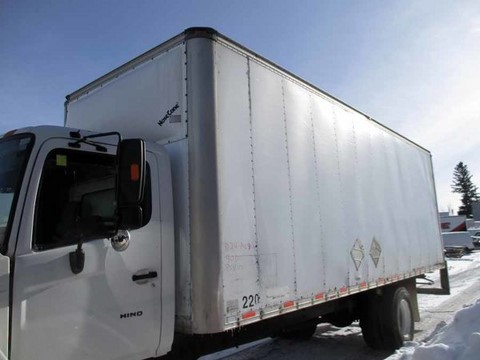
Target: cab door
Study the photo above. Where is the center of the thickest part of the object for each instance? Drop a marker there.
(4, 302)
(111, 309)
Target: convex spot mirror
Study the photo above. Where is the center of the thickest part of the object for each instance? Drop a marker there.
(130, 183)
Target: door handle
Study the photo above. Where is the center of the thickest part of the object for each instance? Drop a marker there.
(149, 275)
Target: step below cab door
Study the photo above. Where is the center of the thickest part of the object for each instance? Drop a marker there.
(4, 305)
(112, 308)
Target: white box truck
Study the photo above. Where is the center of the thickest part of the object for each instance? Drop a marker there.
(458, 239)
(196, 199)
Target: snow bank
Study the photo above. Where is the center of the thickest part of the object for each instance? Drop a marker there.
(460, 340)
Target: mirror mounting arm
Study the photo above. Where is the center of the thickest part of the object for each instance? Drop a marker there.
(77, 259)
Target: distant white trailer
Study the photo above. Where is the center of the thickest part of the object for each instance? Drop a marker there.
(452, 223)
(458, 239)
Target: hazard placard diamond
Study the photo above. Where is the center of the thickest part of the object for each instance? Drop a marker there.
(375, 251)
(357, 253)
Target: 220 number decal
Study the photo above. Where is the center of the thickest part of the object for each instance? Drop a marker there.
(250, 300)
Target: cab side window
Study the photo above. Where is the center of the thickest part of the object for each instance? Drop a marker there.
(76, 191)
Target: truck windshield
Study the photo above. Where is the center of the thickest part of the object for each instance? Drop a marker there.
(14, 153)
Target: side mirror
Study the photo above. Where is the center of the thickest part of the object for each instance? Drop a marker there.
(130, 183)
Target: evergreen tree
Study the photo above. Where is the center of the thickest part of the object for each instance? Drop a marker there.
(462, 184)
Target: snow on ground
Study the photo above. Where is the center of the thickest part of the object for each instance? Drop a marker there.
(450, 328)
(460, 279)
(460, 339)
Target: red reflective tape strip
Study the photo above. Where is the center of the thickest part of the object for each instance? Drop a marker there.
(320, 296)
(248, 315)
(134, 172)
(343, 290)
(288, 304)
(363, 285)
(381, 280)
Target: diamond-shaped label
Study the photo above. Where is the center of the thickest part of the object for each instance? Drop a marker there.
(375, 251)
(357, 253)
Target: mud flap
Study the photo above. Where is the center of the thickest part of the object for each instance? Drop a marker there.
(4, 305)
(444, 284)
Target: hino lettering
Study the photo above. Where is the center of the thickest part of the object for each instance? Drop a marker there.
(132, 314)
(227, 234)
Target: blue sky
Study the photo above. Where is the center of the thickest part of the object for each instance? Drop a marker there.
(412, 65)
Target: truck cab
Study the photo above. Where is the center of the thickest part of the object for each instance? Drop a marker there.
(65, 273)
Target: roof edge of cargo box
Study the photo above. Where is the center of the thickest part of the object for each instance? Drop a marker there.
(190, 33)
(209, 33)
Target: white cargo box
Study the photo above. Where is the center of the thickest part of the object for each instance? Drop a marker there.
(266, 170)
(458, 239)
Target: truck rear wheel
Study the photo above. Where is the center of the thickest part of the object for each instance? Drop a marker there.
(387, 320)
(398, 324)
(370, 322)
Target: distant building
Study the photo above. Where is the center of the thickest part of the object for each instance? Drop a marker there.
(476, 210)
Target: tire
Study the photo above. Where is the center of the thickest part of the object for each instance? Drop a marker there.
(387, 321)
(370, 322)
(397, 323)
